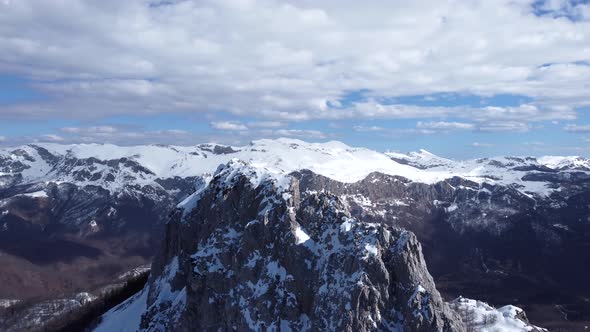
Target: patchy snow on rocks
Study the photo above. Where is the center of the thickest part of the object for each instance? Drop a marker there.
(7, 303)
(246, 258)
(479, 316)
(252, 252)
(36, 194)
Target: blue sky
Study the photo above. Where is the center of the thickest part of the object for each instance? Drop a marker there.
(493, 78)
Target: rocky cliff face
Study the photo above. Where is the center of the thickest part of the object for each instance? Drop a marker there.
(482, 240)
(250, 254)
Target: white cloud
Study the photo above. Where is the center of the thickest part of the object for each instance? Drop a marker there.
(481, 145)
(2, 138)
(299, 133)
(92, 129)
(265, 124)
(125, 135)
(361, 128)
(442, 125)
(228, 125)
(51, 138)
(574, 128)
(504, 126)
(535, 144)
(287, 61)
(175, 132)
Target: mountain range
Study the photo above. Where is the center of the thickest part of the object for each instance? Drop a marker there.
(503, 230)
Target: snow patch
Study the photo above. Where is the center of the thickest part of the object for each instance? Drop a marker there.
(7, 303)
(371, 249)
(346, 226)
(482, 317)
(300, 235)
(451, 208)
(36, 194)
(274, 269)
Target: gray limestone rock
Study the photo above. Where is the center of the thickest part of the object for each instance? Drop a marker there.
(252, 255)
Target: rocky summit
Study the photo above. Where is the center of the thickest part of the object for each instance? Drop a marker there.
(252, 255)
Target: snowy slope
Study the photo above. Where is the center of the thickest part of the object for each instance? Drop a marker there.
(559, 162)
(332, 159)
(126, 316)
(508, 171)
(484, 318)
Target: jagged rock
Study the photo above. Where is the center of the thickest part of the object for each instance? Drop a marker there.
(251, 256)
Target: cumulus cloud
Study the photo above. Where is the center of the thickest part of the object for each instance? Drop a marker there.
(299, 133)
(442, 125)
(265, 124)
(125, 135)
(504, 126)
(175, 132)
(292, 61)
(51, 138)
(89, 130)
(535, 144)
(574, 128)
(268, 68)
(228, 125)
(481, 145)
(360, 128)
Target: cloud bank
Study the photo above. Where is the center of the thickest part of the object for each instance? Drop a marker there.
(271, 66)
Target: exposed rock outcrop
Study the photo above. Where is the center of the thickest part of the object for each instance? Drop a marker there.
(251, 255)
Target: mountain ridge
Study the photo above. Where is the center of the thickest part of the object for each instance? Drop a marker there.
(495, 220)
(145, 164)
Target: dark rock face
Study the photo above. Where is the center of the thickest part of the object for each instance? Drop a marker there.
(252, 257)
(490, 242)
(217, 149)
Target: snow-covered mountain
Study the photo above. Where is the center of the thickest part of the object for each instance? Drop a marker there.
(115, 168)
(250, 255)
(91, 188)
(253, 251)
(488, 226)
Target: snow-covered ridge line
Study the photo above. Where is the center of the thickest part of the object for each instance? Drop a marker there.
(340, 162)
(227, 174)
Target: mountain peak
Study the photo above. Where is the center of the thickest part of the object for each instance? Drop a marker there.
(427, 153)
(301, 265)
